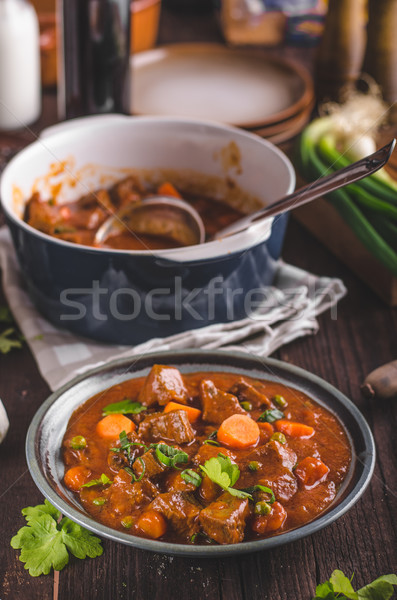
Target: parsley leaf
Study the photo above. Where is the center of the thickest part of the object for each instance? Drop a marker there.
(380, 589)
(32, 512)
(125, 407)
(270, 415)
(103, 480)
(7, 343)
(342, 585)
(222, 471)
(44, 543)
(80, 542)
(339, 586)
(6, 315)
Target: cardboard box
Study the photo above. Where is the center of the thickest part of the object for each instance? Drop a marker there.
(324, 222)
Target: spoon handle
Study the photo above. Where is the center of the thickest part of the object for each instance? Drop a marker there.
(354, 172)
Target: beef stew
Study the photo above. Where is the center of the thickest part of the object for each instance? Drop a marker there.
(204, 458)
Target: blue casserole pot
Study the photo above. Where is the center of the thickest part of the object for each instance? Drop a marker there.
(128, 297)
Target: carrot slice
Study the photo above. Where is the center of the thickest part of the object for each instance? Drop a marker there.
(267, 429)
(152, 524)
(192, 413)
(271, 522)
(75, 477)
(238, 431)
(111, 426)
(167, 189)
(293, 429)
(311, 470)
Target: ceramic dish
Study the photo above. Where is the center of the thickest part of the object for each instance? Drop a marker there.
(210, 81)
(47, 429)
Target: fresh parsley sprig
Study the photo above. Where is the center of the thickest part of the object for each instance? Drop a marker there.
(125, 407)
(222, 471)
(339, 586)
(103, 480)
(45, 542)
(9, 338)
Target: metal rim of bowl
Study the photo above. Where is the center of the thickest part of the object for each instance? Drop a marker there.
(233, 361)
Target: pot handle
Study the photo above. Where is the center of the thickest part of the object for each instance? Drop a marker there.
(81, 122)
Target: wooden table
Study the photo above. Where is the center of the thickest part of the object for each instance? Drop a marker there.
(364, 541)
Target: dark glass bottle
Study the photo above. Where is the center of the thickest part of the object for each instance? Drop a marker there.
(341, 50)
(381, 54)
(94, 65)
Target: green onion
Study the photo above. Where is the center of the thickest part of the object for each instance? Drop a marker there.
(315, 156)
(191, 476)
(170, 456)
(78, 442)
(261, 488)
(134, 478)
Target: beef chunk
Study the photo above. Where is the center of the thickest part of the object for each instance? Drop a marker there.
(126, 191)
(176, 483)
(173, 426)
(284, 485)
(207, 451)
(180, 509)
(117, 460)
(42, 215)
(162, 385)
(224, 520)
(245, 391)
(275, 464)
(217, 405)
(125, 495)
(274, 454)
(151, 465)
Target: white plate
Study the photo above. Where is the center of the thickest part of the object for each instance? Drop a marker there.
(210, 81)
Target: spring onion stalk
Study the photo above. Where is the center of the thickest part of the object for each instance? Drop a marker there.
(317, 158)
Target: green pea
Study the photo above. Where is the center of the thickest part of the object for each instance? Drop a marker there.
(279, 437)
(262, 508)
(78, 442)
(127, 522)
(99, 501)
(253, 465)
(246, 405)
(279, 400)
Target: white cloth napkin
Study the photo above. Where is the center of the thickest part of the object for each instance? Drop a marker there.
(289, 312)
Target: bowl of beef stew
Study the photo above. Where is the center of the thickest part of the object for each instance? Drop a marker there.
(201, 453)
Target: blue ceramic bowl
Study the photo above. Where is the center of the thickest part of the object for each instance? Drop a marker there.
(44, 440)
(127, 297)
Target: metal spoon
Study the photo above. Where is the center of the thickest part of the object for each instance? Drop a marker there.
(176, 219)
(162, 216)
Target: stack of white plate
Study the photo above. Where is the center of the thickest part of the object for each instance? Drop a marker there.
(270, 96)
